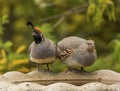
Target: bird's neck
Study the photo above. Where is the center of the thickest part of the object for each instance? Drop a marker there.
(38, 40)
(90, 50)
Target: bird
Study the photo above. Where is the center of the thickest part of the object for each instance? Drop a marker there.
(41, 50)
(77, 52)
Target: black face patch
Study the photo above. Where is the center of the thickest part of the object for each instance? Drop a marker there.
(37, 37)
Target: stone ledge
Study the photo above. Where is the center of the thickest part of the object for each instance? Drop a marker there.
(30, 86)
(76, 78)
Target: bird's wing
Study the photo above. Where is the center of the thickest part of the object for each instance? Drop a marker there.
(70, 43)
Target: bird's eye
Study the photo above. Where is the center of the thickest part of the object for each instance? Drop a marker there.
(88, 43)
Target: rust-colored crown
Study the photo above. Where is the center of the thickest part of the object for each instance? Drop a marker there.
(37, 29)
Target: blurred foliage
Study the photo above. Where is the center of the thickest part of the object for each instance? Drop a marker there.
(99, 8)
(111, 60)
(9, 59)
(47, 31)
(100, 20)
(3, 20)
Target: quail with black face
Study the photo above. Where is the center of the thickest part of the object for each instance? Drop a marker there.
(77, 52)
(42, 50)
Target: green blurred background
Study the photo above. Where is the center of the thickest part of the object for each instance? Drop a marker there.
(96, 19)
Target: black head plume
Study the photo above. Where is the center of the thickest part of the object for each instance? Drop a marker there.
(29, 23)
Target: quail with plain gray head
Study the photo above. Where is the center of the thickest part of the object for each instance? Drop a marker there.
(42, 50)
(77, 52)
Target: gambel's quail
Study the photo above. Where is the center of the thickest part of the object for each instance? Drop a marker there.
(42, 50)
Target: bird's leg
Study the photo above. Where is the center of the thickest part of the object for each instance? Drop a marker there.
(69, 69)
(30, 61)
(38, 67)
(48, 67)
(83, 69)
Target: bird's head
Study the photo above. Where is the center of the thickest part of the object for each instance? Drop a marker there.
(90, 45)
(37, 33)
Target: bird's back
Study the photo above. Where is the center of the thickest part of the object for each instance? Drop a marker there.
(70, 42)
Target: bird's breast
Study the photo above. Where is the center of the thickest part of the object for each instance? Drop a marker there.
(43, 61)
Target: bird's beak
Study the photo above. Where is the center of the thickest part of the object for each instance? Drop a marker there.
(33, 33)
(93, 46)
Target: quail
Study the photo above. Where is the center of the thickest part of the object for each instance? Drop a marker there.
(77, 52)
(42, 50)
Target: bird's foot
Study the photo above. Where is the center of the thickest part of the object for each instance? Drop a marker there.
(82, 70)
(75, 70)
(38, 67)
(70, 70)
(48, 69)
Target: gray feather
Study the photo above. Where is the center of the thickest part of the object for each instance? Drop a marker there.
(84, 57)
(80, 57)
(43, 50)
(70, 43)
